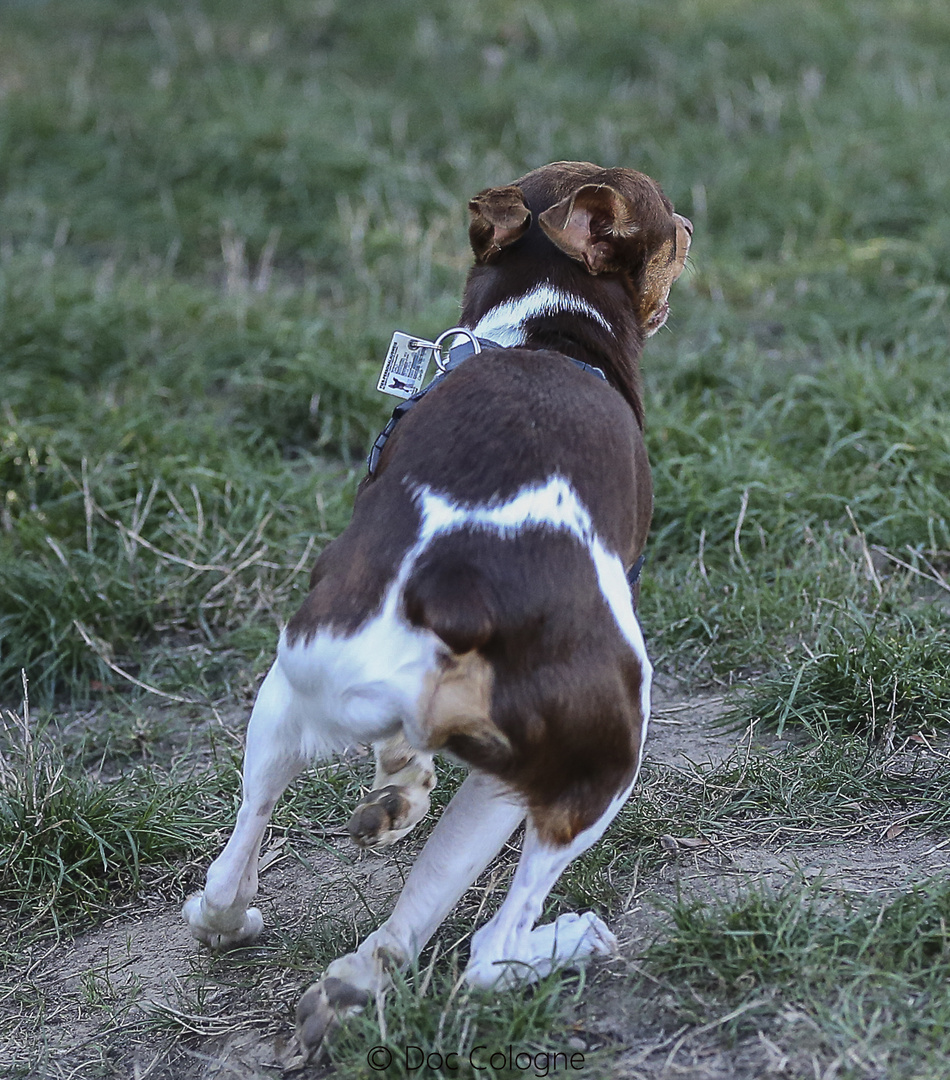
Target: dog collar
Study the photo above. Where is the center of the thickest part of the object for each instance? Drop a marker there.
(457, 355)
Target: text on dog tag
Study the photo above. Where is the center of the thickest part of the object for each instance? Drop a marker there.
(405, 366)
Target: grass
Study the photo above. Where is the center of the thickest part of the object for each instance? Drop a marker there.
(471, 1031)
(73, 845)
(876, 682)
(78, 836)
(873, 976)
(212, 218)
(195, 293)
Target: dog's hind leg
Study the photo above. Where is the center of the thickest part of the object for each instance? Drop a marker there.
(399, 798)
(220, 916)
(506, 950)
(470, 832)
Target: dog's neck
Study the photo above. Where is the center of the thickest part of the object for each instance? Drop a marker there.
(549, 316)
(508, 323)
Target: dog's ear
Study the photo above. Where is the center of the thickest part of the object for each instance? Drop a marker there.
(591, 224)
(499, 217)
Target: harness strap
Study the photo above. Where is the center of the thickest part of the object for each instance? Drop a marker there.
(633, 574)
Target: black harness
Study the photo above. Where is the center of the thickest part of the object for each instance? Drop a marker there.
(633, 574)
(455, 357)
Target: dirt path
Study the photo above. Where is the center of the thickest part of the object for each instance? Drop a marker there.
(120, 1000)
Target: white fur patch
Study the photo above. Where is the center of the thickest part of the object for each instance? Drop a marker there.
(553, 503)
(361, 687)
(504, 324)
(616, 589)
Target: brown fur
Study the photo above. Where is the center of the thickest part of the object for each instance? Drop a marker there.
(457, 705)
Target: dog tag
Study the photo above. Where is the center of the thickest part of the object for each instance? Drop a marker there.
(405, 366)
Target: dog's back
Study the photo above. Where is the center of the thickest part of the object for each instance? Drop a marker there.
(527, 485)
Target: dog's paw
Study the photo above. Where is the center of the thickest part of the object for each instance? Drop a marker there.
(324, 1006)
(384, 816)
(574, 936)
(563, 943)
(220, 931)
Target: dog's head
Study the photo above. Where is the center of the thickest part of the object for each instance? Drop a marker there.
(614, 222)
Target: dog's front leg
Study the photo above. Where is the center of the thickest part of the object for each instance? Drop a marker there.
(220, 916)
(399, 798)
(470, 832)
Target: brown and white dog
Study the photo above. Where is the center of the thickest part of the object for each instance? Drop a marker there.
(478, 604)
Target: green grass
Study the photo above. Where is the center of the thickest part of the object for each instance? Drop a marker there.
(469, 1032)
(881, 682)
(209, 229)
(874, 976)
(73, 845)
(86, 824)
(212, 218)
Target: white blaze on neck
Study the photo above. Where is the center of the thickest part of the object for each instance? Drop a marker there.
(504, 324)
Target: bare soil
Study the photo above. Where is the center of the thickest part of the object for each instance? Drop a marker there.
(111, 1004)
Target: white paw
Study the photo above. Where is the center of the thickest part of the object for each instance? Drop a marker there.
(574, 936)
(569, 939)
(221, 930)
(347, 986)
(384, 816)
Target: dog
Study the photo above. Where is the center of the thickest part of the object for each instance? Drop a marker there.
(478, 604)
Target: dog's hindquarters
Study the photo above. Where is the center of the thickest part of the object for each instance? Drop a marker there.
(544, 678)
(507, 637)
(551, 714)
(555, 708)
